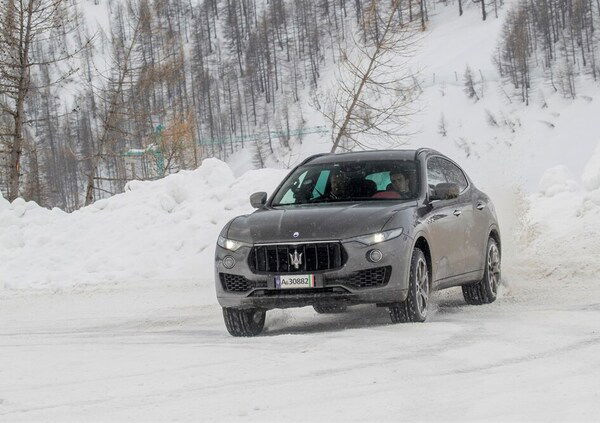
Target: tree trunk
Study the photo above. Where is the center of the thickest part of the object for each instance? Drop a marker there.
(16, 149)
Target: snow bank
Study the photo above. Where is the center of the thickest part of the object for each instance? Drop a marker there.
(164, 231)
(591, 172)
(156, 231)
(561, 234)
(557, 179)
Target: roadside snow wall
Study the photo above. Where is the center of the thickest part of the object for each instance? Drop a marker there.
(560, 236)
(162, 232)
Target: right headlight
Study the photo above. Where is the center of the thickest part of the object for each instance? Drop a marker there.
(377, 237)
(231, 244)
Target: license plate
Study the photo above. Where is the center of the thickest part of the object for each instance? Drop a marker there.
(294, 281)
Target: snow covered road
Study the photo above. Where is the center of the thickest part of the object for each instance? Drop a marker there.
(163, 353)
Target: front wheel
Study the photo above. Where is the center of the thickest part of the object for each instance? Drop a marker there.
(244, 322)
(486, 290)
(414, 308)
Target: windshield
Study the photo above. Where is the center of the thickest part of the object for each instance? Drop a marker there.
(373, 180)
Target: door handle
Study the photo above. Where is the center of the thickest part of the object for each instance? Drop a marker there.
(457, 212)
(480, 205)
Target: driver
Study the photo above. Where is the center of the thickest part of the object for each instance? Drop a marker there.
(400, 183)
(339, 184)
(398, 188)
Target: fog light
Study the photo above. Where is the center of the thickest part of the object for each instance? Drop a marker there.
(228, 262)
(374, 255)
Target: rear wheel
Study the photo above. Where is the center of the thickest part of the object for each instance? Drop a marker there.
(414, 308)
(244, 322)
(486, 290)
(329, 308)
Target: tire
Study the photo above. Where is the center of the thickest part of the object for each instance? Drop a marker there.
(329, 308)
(414, 308)
(486, 290)
(244, 322)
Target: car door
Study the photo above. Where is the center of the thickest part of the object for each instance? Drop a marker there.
(445, 230)
(464, 208)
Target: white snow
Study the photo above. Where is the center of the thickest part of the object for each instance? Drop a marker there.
(109, 313)
(591, 172)
(155, 232)
(557, 179)
(159, 353)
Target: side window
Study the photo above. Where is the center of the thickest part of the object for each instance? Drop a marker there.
(455, 175)
(435, 173)
(440, 170)
(288, 198)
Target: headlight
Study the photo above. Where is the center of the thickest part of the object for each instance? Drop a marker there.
(378, 237)
(231, 244)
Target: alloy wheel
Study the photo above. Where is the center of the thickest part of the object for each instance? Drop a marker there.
(493, 267)
(422, 285)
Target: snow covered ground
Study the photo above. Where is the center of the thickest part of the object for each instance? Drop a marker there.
(160, 353)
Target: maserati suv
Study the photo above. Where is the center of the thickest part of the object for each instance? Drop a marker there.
(375, 227)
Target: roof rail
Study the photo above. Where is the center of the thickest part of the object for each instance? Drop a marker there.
(314, 156)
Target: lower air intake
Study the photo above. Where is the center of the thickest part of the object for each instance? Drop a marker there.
(368, 278)
(238, 283)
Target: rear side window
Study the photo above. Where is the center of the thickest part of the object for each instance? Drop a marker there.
(381, 179)
(440, 170)
(435, 175)
(455, 175)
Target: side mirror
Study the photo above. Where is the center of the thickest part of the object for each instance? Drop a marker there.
(445, 191)
(258, 199)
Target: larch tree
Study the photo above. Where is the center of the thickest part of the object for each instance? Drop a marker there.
(23, 23)
(374, 89)
(124, 42)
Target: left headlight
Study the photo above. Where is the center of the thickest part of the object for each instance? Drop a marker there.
(378, 237)
(231, 244)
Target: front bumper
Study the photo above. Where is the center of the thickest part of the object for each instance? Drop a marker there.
(330, 286)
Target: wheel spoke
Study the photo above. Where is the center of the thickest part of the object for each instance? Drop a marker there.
(422, 286)
(493, 261)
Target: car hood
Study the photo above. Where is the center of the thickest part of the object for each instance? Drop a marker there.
(312, 222)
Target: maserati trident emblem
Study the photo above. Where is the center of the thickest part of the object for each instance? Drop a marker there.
(296, 260)
(296, 234)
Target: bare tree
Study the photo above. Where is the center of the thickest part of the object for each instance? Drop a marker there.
(122, 55)
(374, 89)
(23, 23)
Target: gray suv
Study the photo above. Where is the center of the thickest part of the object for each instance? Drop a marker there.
(376, 227)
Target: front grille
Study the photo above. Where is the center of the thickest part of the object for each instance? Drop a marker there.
(238, 283)
(368, 278)
(312, 257)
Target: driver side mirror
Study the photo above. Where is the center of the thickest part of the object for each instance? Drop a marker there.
(445, 191)
(258, 200)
